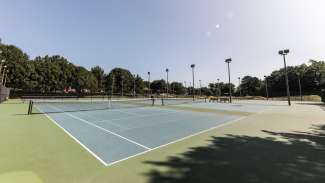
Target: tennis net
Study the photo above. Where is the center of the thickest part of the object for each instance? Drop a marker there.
(178, 101)
(69, 105)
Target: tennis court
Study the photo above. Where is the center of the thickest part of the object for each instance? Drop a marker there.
(235, 106)
(129, 129)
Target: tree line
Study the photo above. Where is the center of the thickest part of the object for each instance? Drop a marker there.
(55, 74)
(311, 78)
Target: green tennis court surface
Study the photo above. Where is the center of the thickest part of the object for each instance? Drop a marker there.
(117, 134)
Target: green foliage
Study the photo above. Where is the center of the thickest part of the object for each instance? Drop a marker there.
(98, 72)
(250, 86)
(177, 88)
(84, 81)
(16, 62)
(55, 73)
(158, 86)
(219, 89)
(323, 95)
(206, 91)
(312, 78)
(118, 77)
(139, 85)
(45, 74)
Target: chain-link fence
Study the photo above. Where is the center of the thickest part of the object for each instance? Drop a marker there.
(4, 93)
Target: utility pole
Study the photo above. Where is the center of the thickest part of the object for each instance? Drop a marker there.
(228, 62)
(122, 85)
(4, 84)
(149, 86)
(3, 74)
(134, 85)
(200, 88)
(193, 66)
(218, 88)
(167, 70)
(284, 53)
(112, 92)
(266, 88)
(1, 63)
(239, 87)
(299, 83)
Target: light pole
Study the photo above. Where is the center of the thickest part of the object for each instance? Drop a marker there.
(200, 88)
(3, 74)
(193, 66)
(284, 53)
(149, 83)
(134, 85)
(167, 70)
(122, 85)
(4, 84)
(266, 88)
(112, 88)
(299, 83)
(2, 62)
(228, 62)
(218, 88)
(239, 87)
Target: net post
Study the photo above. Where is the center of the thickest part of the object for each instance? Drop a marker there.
(30, 107)
(162, 101)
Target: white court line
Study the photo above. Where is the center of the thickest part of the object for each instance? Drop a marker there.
(181, 139)
(75, 139)
(105, 130)
(142, 116)
(106, 121)
(173, 121)
(130, 113)
(161, 146)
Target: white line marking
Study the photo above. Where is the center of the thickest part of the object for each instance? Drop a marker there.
(75, 139)
(105, 130)
(142, 116)
(181, 139)
(106, 121)
(174, 121)
(130, 113)
(158, 147)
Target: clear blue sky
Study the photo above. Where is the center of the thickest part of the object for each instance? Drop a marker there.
(150, 35)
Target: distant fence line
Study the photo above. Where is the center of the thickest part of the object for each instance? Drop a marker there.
(283, 98)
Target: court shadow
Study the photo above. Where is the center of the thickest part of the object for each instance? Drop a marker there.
(245, 159)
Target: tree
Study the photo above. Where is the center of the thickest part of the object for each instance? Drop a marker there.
(250, 86)
(221, 88)
(121, 77)
(98, 72)
(140, 85)
(177, 88)
(158, 86)
(84, 81)
(17, 64)
(53, 73)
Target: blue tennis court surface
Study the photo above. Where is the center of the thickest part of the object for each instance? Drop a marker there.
(236, 106)
(117, 134)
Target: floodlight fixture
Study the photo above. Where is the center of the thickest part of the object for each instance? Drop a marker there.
(284, 53)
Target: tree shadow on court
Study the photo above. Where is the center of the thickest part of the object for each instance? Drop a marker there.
(245, 159)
